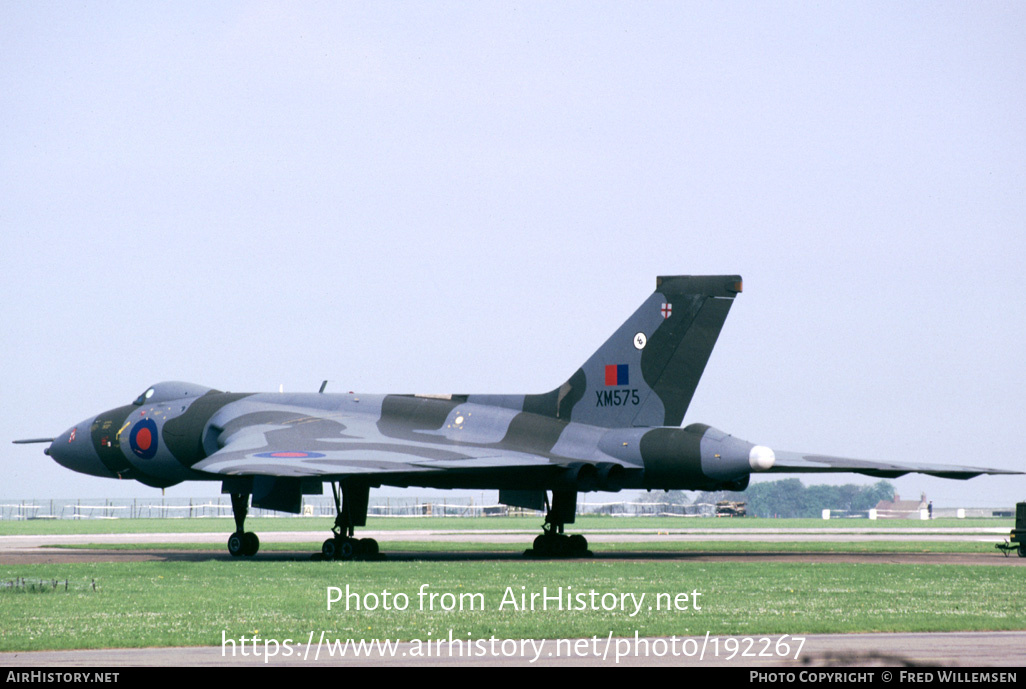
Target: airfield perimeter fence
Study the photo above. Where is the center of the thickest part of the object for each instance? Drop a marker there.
(313, 506)
(324, 507)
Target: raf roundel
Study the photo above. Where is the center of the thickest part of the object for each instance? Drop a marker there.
(143, 439)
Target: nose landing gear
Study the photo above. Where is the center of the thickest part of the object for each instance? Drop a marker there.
(242, 543)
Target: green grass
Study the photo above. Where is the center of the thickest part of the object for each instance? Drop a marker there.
(529, 523)
(141, 604)
(652, 546)
(137, 604)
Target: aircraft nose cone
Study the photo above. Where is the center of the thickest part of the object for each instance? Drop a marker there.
(72, 449)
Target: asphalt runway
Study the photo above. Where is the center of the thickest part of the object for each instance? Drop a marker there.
(45, 549)
(831, 534)
(54, 556)
(967, 649)
(950, 649)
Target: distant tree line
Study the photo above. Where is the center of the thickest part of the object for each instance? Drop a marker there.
(791, 498)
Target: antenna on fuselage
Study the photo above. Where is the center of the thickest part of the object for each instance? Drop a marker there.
(323, 385)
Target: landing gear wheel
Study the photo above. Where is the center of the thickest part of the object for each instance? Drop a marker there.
(1022, 550)
(242, 542)
(553, 542)
(551, 545)
(236, 545)
(560, 545)
(346, 548)
(350, 511)
(340, 548)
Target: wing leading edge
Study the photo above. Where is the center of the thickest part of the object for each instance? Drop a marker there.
(802, 462)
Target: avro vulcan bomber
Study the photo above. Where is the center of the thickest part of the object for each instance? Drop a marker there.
(614, 424)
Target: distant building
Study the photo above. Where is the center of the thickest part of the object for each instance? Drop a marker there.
(901, 509)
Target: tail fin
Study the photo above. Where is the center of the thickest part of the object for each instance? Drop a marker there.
(647, 372)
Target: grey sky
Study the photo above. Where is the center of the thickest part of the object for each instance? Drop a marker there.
(469, 197)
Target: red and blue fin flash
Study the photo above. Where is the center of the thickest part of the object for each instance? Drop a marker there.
(616, 374)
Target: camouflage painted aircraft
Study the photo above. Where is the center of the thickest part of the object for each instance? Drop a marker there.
(614, 424)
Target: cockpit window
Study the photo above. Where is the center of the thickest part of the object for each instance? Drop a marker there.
(141, 399)
(171, 390)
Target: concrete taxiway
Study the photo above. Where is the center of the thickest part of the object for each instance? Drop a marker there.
(951, 649)
(850, 535)
(53, 548)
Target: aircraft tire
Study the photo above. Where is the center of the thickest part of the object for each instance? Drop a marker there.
(552, 545)
(1022, 551)
(369, 546)
(346, 551)
(236, 545)
(250, 544)
(578, 544)
(329, 549)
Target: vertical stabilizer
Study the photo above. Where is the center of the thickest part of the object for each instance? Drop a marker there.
(647, 372)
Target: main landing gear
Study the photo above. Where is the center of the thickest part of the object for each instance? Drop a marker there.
(351, 510)
(553, 542)
(242, 542)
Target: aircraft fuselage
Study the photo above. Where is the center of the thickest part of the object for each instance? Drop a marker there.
(401, 440)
